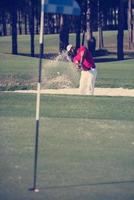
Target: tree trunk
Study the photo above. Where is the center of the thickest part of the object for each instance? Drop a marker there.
(100, 38)
(19, 22)
(130, 25)
(91, 41)
(78, 30)
(37, 25)
(14, 29)
(115, 18)
(100, 32)
(3, 18)
(120, 36)
(83, 20)
(64, 33)
(88, 23)
(31, 26)
(83, 37)
(133, 30)
(37, 11)
(25, 24)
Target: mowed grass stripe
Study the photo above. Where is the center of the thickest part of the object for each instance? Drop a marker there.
(64, 106)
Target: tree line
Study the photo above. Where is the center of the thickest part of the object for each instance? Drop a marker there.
(23, 17)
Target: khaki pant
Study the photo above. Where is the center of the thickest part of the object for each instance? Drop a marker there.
(87, 82)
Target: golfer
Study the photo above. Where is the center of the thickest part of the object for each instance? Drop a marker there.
(84, 62)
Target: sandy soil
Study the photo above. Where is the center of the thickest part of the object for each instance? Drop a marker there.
(75, 91)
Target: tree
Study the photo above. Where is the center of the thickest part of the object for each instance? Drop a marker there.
(91, 41)
(130, 25)
(88, 23)
(78, 30)
(3, 22)
(83, 20)
(10, 7)
(120, 36)
(64, 33)
(100, 25)
(13, 12)
(31, 24)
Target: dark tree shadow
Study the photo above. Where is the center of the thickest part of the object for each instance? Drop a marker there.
(101, 55)
(45, 56)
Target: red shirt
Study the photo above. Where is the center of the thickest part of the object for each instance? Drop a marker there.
(88, 61)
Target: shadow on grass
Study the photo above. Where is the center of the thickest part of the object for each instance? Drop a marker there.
(101, 55)
(88, 184)
(98, 60)
(52, 56)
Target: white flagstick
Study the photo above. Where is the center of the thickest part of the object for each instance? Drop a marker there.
(38, 97)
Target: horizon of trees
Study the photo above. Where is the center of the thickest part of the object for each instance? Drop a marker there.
(23, 17)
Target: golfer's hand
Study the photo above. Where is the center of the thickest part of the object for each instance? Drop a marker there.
(80, 65)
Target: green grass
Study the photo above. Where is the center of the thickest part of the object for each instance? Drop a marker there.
(51, 42)
(85, 148)
(65, 106)
(116, 74)
(86, 143)
(20, 72)
(17, 72)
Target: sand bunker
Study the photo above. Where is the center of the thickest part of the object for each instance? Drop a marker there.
(75, 91)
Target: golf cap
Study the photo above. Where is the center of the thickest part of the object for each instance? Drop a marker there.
(69, 47)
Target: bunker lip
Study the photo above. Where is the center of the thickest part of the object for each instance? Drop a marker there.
(75, 91)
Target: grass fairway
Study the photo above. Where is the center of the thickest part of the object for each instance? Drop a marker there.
(86, 147)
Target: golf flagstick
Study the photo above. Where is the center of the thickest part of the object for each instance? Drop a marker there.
(41, 42)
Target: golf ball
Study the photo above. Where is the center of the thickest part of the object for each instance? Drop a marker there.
(36, 190)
